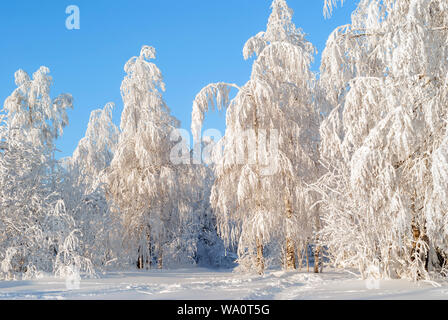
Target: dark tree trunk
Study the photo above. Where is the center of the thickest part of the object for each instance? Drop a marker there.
(260, 258)
(317, 259)
(417, 250)
(160, 256)
(140, 263)
(290, 255)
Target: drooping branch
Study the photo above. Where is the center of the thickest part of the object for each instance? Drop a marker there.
(215, 95)
(328, 7)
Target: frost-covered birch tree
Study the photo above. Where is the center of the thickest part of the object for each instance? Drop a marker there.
(269, 151)
(385, 76)
(95, 151)
(84, 190)
(36, 233)
(143, 182)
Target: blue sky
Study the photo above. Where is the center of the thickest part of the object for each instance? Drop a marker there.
(197, 42)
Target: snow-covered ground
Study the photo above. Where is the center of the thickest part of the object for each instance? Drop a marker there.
(205, 284)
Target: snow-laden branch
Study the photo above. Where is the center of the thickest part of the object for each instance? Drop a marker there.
(329, 5)
(215, 95)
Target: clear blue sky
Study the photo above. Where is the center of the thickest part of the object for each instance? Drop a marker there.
(197, 42)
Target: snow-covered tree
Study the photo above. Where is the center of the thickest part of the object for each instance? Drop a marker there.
(383, 143)
(36, 233)
(210, 249)
(269, 151)
(84, 192)
(143, 182)
(95, 151)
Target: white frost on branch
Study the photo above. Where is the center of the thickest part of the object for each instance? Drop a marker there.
(329, 5)
(385, 75)
(270, 149)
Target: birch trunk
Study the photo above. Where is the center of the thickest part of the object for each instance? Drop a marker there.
(160, 256)
(317, 247)
(290, 249)
(260, 258)
(140, 264)
(307, 258)
(149, 257)
(417, 250)
(316, 259)
(299, 257)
